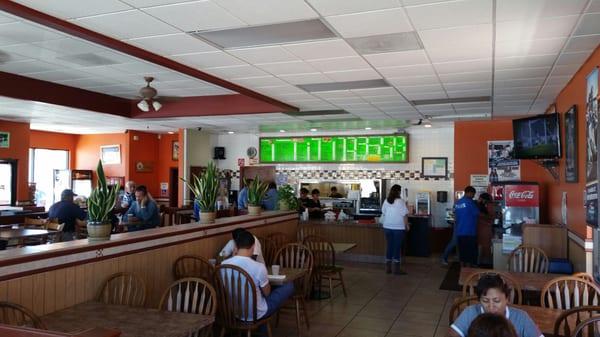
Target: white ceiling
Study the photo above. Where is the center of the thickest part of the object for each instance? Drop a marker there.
(537, 46)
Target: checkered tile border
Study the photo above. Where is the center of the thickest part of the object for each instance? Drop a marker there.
(352, 174)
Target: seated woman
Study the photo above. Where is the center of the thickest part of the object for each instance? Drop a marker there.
(493, 295)
(491, 325)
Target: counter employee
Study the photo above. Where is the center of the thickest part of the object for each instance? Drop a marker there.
(334, 193)
(314, 205)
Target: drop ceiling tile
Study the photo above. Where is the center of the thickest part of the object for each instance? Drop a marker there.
(371, 23)
(405, 58)
(338, 7)
(524, 61)
(438, 107)
(372, 92)
(183, 84)
(392, 99)
(566, 70)
(346, 100)
(529, 47)
(287, 68)
(321, 49)
(416, 70)
(463, 66)
(151, 3)
(69, 46)
(335, 94)
(138, 24)
(469, 93)
(27, 66)
(558, 80)
(515, 97)
(261, 81)
(339, 64)
(543, 28)
(208, 60)
(139, 68)
(572, 58)
(582, 43)
(435, 15)
(466, 77)
(268, 11)
(442, 55)
(514, 90)
(458, 37)
(530, 82)
(353, 75)
(310, 78)
(60, 75)
(589, 25)
(7, 19)
(468, 85)
(421, 88)
(185, 16)
(107, 71)
(521, 73)
(427, 95)
(259, 55)
(278, 90)
(508, 10)
(414, 80)
(69, 9)
(88, 83)
(172, 44)
(234, 72)
(20, 32)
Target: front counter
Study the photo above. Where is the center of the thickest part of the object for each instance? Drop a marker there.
(47, 278)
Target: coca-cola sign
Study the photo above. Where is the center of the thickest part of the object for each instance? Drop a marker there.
(522, 195)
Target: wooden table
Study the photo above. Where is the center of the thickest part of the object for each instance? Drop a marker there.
(340, 247)
(131, 321)
(22, 233)
(291, 275)
(527, 281)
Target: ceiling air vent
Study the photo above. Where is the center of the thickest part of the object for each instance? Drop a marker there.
(456, 100)
(87, 60)
(352, 85)
(386, 43)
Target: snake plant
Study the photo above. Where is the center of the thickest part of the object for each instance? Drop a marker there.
(256, 191)
(205, 188)
(102, 200)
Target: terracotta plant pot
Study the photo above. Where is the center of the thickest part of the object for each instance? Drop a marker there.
(98, 231)
(283, 206)
(254, 210)
(207, 217)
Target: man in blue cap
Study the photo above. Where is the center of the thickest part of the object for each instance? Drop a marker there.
(66, 211)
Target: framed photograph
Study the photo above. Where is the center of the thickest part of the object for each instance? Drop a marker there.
(4, 139)
(591, 131)
(571, 169)
(110, 154)
(434, 167)
(175, 150)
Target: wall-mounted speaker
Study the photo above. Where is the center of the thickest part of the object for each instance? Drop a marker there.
(219, 152)
(442, 196)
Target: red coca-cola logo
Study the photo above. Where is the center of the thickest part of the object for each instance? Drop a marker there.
(521, 195)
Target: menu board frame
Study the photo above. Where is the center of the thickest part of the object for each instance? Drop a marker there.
(338, 161)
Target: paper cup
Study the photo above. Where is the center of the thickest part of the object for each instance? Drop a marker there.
(275, 269)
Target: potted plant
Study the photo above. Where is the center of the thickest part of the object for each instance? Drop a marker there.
(256, 193)
(100, 204)
(206, 190)
(287, 199)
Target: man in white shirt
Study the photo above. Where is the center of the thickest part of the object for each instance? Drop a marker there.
(230, 247)
(268, 300)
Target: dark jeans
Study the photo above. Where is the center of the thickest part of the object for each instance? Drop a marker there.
(394, 239)
(450, 247)
(278, 296)
(467, 249)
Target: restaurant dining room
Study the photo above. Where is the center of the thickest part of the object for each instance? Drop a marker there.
(297, 168)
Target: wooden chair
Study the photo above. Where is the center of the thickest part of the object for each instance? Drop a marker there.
(81, 229)
(572, 317)
(193, 266)
(35, 223)
(569, 292)
(14, 314)
(191, 296)
(585, 276)
(588, 328)
(237, 301)
(515, 297)
(279, 238)
(305, 231)
(297, 256)
(324, 262)
(55, 226)
(528, 259)
(269, 248)
(459, 305)
(123, 289)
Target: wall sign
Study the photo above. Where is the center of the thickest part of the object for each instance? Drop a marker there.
(241, 162)
(110, 154)
(4, 139)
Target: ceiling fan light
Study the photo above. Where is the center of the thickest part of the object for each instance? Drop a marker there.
(143, 105)
(156, 105)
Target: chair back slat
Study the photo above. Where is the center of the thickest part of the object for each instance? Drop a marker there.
(528, 259)
(17, 315)
(269, 248)
(588, 328)
(305, 231)
(123, 289)
(193, 266)
(459, 305)
(237, 295)
(568, 292)
(297, 256)
(515, 296)
(322, 250)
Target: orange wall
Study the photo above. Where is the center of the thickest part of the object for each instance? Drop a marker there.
(143, 147)
(88, 153)
(18, 149)
(165, 159)
(55, 141)
(470, 157)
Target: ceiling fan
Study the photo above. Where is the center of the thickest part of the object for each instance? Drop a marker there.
(148, 94)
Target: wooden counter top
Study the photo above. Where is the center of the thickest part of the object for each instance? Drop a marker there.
(33, 259)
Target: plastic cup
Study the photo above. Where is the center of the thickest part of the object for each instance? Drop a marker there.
(275, 269)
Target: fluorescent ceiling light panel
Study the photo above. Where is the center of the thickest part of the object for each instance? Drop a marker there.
(316, 113)
(386, 43)
(451, 100)
(335, 86)
(351, 119)
(264, 35)
(88, 60)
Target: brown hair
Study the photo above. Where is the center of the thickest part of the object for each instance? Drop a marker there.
(394, 194)
(491, 325)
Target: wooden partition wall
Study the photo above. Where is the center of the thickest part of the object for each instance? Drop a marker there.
(51, 290)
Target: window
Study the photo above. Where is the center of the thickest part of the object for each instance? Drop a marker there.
(46, 167)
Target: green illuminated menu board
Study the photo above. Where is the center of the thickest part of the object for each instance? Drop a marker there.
(335, 149)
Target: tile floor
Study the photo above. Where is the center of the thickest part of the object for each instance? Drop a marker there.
(380, 305)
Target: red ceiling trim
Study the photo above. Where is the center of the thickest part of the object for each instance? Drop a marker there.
(89, 35)
(30, 89)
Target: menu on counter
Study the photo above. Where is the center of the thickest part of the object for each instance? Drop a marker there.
(335, 149)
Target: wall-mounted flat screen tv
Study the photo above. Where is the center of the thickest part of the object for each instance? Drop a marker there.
(537, 137)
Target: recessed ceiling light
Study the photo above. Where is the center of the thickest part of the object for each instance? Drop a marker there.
(230, 132)
(170, 132)
(281, 131)
(368, 128)
(313, 130)
(426, 125)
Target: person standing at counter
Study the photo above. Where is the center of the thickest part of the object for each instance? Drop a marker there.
(484, 227)
(303, 200)
(243, 196)
(334, 193)
(314, 205)
(270, 201)
(143, 212)
(394, 216)
(466, 215)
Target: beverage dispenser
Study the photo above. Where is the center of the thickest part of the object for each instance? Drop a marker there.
(423, 203)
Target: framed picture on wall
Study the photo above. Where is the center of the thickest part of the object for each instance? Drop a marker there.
(4, 139)
(110, 154)
(434, 167)
(175, 150)
(571, 167)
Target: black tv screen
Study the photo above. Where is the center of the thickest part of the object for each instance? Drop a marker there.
(537, 137)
